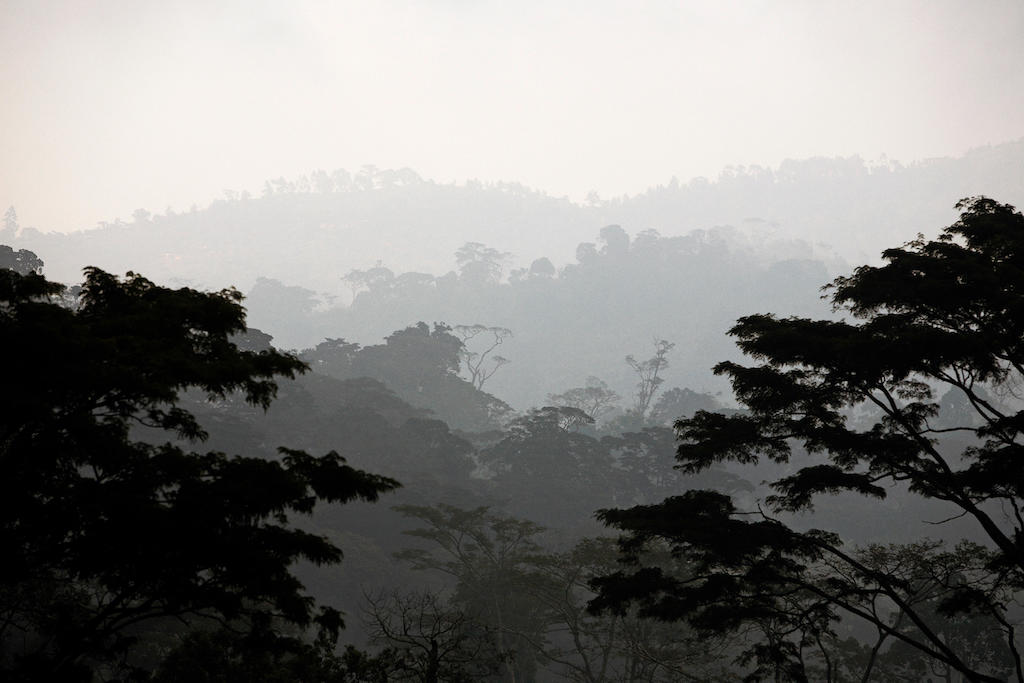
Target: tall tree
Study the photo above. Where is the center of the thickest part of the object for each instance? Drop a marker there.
(476, 362)
(109, 521)
(943, 314)
(10, 229)
(648, 372)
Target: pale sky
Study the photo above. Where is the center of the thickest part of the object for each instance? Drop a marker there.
(113, 106)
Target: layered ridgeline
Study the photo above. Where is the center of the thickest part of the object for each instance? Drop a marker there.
(360, 256)
(312, 230)
(130, 448)
(546, 330)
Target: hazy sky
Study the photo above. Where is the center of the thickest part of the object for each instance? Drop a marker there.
(112, 106)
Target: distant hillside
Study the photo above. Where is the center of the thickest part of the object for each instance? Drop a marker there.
(311, 231)
(581, 320)
(359, 257)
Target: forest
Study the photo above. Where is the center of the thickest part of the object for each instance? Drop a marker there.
(732, 461)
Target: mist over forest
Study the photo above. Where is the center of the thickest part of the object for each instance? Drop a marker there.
(312, 230)
(485, 413)
(526, 343)
(360, 255)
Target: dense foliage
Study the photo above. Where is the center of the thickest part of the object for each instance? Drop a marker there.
(140, 549)
(110, 524)
(943, 315)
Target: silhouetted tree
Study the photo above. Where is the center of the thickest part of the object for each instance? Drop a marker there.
(932, 574)
(429, 640)
(649, 373)
(476, 361)
(22, 261)
(944, 314)
(108, 520)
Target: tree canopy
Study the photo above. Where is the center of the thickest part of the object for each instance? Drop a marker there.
(939, 315)
(109, 520)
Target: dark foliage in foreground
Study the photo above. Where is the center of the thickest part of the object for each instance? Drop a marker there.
(109, 522)
(946, 314)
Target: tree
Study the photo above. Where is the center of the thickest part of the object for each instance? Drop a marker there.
(417, 354)
(475, 361)
(616, 241)
(595, 399)
(429, 640)
(531, 603)
(332, 356)
(421, 365)
(277, 300)
(479, 264)
(679, 403)
(22, 261)
(581, 646)
(542, 268)
(10, 229)
(645, 468)
(547, 421)
(375, 280)
(109, 522)
(931, 574)
(649, 373)
(943, 314)
(491, 557)
(554, 472)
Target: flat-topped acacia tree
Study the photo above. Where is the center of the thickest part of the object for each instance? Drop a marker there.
(938, 315)
(109, 519)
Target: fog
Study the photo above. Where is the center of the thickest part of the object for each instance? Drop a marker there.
(115, 106)
(546, 341)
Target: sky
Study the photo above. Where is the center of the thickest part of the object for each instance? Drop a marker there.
(113, 106)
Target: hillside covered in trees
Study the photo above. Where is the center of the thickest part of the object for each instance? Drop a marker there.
(357, 256)
(311, 231)
(848, 510)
